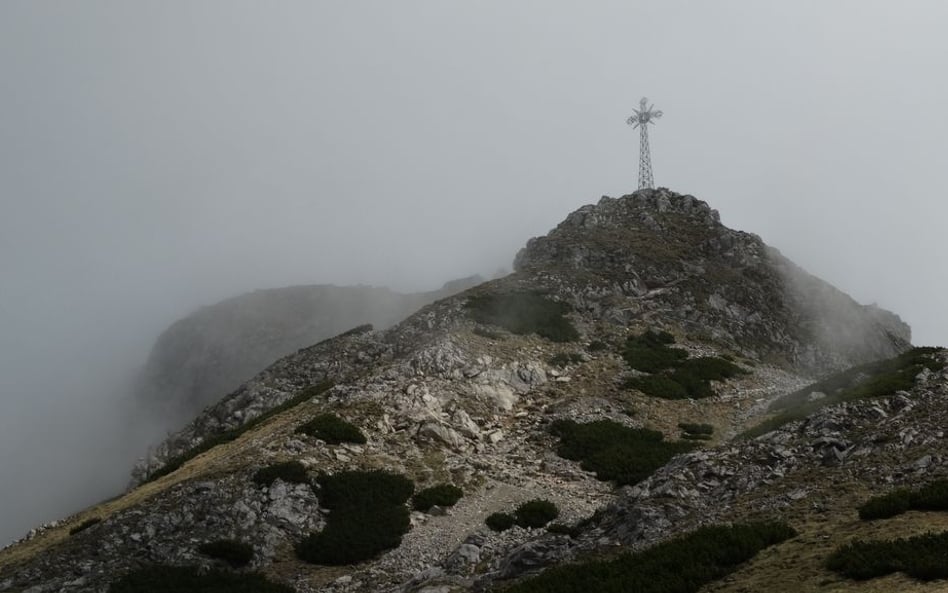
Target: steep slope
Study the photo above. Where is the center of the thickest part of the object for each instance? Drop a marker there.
(215, 349)
(474, 390)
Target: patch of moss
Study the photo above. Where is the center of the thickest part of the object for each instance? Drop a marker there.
(615, 452)
(682, 565)
(524, 313)
(332, 429)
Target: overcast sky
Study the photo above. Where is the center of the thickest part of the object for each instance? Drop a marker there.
(160, 155)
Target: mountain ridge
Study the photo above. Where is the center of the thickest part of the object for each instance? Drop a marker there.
(457, 393)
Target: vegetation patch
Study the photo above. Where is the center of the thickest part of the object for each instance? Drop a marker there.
(368, 516)
(524, 313)
(696, 432)
(682, 565)
(563, 529)
(332, 429)
(500, 521)
(561, 359)
(869, 380)
(535, 513)
(615, 452)
(924, 557)
(233, 552)
(931, 497)
(597, 346)
(180, 579)
(442, 495)
(231, 435)
(673, 374)
(85, 525)
(292, 472)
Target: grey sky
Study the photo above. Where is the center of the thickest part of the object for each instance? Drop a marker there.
(156, 156)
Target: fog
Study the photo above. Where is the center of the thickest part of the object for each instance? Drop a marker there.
(156, 156)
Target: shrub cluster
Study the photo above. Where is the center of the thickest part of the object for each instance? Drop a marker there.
(615, 452)
(442, 495)
(921, 557)
(291, 472)
(524, 313)
(682, 565)
(332, 429)
(535, 513)
(563, 529)
(233, 552)
(368, 517)
(696, 432)
(230, 435)
(931, 497)
(500, 521)
(85, 525)
(177, 579)
(674, 375)
(869, 380)
(561, 359)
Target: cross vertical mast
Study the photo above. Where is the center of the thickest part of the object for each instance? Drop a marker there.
(644, 115)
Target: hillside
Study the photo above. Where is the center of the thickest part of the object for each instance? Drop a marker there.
(218, 347)
(622, 372)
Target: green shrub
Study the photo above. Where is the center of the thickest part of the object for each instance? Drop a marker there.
(673, 374)
(524, 313)
(649, 352)
(233, 552)
(561, 359)
(682, 565)
(487, 333)
(356, 534)
(597, 346)
(931, 497)
(362, 488)
(332, 429)
(535, 513)
(695, 437)
(443, 495)
(563, 529)
(227, 436)
(189, 579)
(291, 472)
(869, 380)
(693, 428)
(368, 517)
(85, 525)
(615, 452)
(924, 557)
(658, 386)
(500, 521)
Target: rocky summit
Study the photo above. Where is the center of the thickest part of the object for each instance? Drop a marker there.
(648, 391)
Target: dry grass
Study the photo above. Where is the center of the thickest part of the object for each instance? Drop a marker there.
(220, 460)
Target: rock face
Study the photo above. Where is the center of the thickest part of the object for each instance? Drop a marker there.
(442, 398)
(672, 252)
(215, 349)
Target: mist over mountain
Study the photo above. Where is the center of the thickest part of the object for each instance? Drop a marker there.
(640, 324)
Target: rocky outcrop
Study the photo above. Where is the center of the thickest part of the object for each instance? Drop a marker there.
(443, 398)
(215, 349)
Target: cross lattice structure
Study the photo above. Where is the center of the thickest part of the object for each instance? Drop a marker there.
(644, 115)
